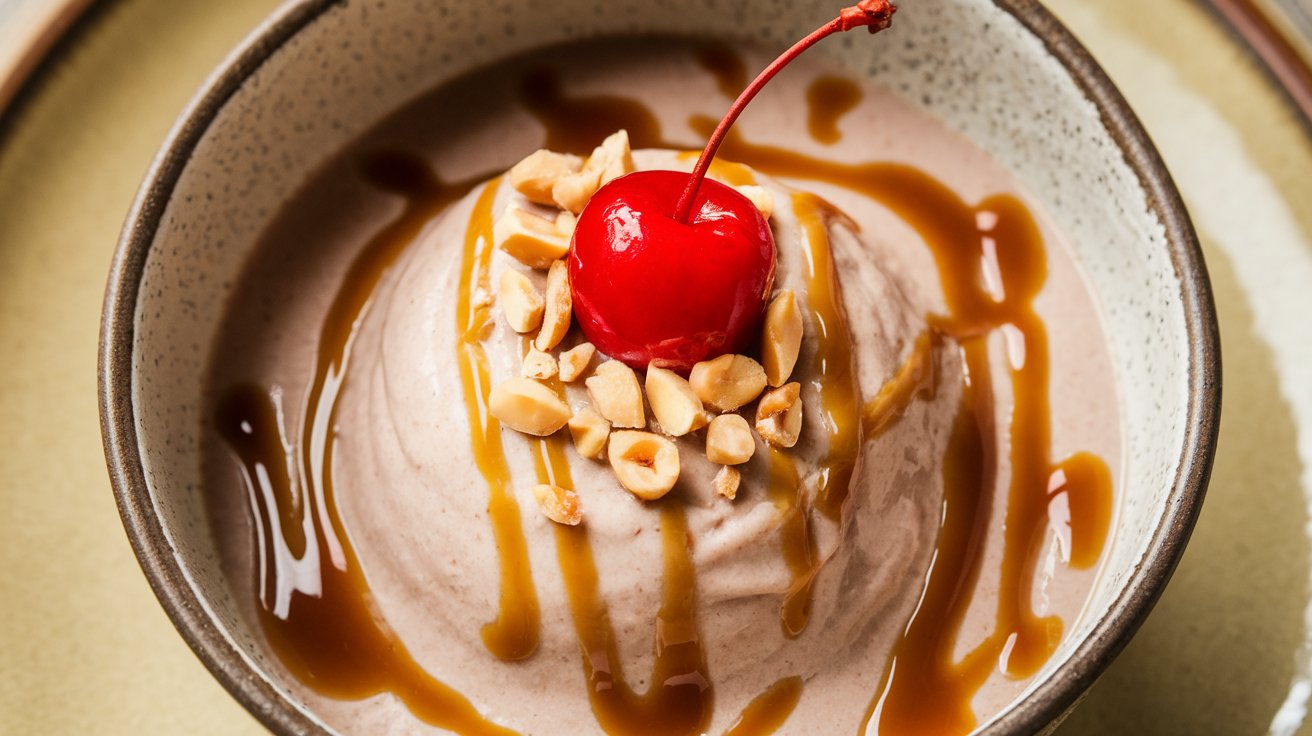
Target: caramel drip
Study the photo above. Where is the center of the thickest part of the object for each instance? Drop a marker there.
(514, 633)
(726, 66)
(768, 711)
(828, 99)
(786, 492)
(330, 636)
(999, 235)
(682, 701)
(319, 594)
(833, 364)
(578, 124)
(915, 377)
(679, 699)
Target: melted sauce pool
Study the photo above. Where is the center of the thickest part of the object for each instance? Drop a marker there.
(315, 606)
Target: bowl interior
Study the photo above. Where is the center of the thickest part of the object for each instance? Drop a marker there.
(318, 74)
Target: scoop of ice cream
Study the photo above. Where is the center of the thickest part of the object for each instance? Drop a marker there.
(416, 504)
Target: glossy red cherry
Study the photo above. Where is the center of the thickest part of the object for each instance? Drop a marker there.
(670, 268)
(648, 287)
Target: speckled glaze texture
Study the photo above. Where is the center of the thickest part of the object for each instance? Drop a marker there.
(319, 73)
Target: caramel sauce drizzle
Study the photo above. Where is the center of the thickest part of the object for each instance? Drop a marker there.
(305, 604)
(768, 711)
(925, 690)
(916, 377)
(319, 618)
(514, 634)
(828, 99)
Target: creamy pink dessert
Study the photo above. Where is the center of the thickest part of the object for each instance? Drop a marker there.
(406, 520)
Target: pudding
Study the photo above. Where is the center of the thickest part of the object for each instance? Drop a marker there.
(381, 525)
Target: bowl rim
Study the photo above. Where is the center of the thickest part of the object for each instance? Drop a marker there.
(1045, 705)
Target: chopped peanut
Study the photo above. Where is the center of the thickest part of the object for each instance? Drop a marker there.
(539, 365)
(760, 197)
(672, 400)
(574, 362)
(532, 239)
(534, 176)
(527, 406)
(782, 338)
(729, 440)
(589, 430)
(726, 482)
(561, 505)
(646, 464)
(728, 381)
(614, 389)
(611, 159)
(559, 308)
(520, 301)
(779, 415)
(565, 223)
(572, 192)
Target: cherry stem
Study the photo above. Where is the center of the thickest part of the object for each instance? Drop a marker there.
(873, 14)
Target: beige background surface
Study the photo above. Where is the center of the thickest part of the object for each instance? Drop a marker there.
(85, 648)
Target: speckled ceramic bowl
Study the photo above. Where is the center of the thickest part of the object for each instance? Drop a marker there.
(319, 73)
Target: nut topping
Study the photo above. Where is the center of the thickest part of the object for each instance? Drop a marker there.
(527, 406)
(565, 222)
(729, 440)
(609, 160)
(532, 239)
(589, 430)
(559, 307)
(779, 415)
(782, 338)
(534, 176)
(615, 392)
(727, 382)
(726, 482)
(539, 365)
(646, 464)
(612, 158)
(759, 196)
(561, 505)
(676, 407)
(574, 362)
(520, 301)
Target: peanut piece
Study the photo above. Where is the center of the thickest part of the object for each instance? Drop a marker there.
(520, 301)
(559, 308)
(574, 362)
(572, 192)
(779, 415)
(726, 482)
(527, 406)
(532, 239)
(729, 440)
(760, 197)
(676, 407)
(539, 365)
(615, 392)
(534, 176)
(565, 223)
(561, 505)
(782, 338)
(728, 381)
(589, 430)
(611, 159)
(646, 464)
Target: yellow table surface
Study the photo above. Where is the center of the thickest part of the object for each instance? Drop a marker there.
(85, 648)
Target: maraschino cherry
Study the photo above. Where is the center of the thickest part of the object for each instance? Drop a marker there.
(670, 268)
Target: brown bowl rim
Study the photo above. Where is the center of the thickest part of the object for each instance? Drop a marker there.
(1046, 705)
